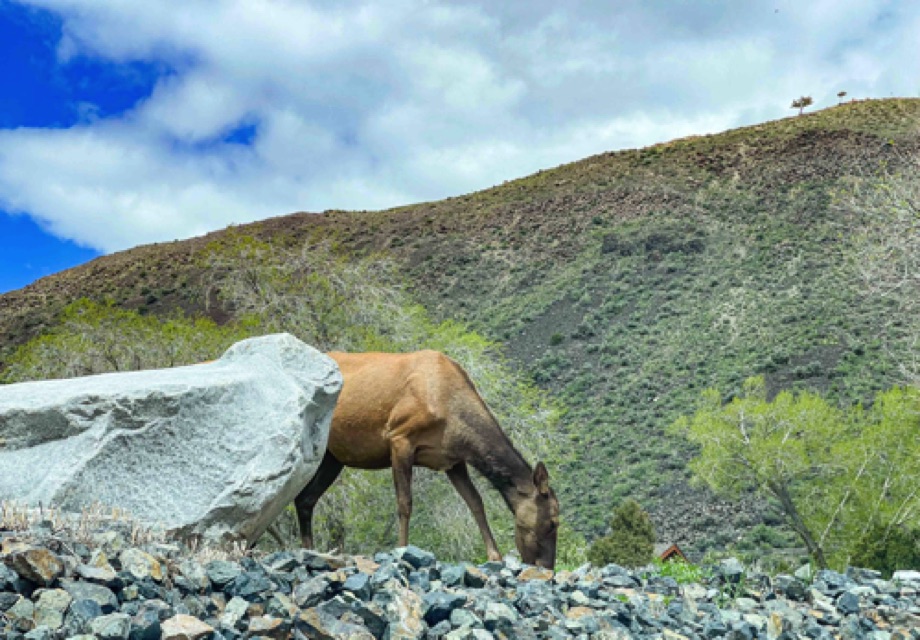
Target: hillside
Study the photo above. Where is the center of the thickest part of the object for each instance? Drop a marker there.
(624, 283)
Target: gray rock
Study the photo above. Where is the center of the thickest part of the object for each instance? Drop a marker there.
(804, 573)
(222, 572)
(498, 616)
(251, 585)
(464, 618)
(438, 605)
(102, 575)
(103, 596)
(311, 593)
(848, 603)
(731, 570)
(40, 633)
(216, 449)
(145, 624)
(140, 564)
(234, 612)
(22, 613)
(50, 607)
(195, 574)
(452, 575)
(359, 584)
(906, 576)
(417, 558)
(80, 614)
(469, 634)
(114, 626)
(402, 607)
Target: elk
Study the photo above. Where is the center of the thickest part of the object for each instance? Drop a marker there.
(422, 409)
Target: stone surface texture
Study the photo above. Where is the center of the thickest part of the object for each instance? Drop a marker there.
(215, 449)
(408, 594)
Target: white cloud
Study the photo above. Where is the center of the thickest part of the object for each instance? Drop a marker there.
(366, 105)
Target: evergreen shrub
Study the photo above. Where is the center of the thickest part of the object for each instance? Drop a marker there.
(631, 541)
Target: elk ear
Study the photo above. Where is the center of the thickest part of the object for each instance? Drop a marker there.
(541, 479)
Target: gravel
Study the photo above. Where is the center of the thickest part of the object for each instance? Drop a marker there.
(53, 588)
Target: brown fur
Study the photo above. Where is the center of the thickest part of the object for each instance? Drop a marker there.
(421, 409)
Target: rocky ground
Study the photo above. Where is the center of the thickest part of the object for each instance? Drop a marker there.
(112, 584)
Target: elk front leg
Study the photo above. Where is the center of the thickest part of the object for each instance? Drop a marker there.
(460, 478)
(402, 458)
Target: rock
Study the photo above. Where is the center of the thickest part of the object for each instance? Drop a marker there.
(100, 575)
(40, 633)
(311, 593)
(731, 570)
(80, 614)
(216, 449)
(536, 573)
(804, 573)
(50, 608)
(403, 610)
(140, 564)
(792, 588)
(145, 624)
(36, 564)
(474, 578)
(417, 558)
(251, 585)
(438, 605)
(196, 575)
(464, 618)
(114, 626)
(906, 576)
(360, 585)
(499, 616)
(234, 612)
(848, 603)
(222, 572)
(183, 627)
(268, 627)
(22, 614)
(452, 575)
(469, 634)
(103, 596)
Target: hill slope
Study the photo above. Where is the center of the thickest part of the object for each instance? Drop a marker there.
(625, 283)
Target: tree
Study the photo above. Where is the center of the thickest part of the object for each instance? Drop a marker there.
(631, 541)
(834, 473)
(801, 103)
(840, 96)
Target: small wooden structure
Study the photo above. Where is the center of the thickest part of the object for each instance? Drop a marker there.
(669, 553)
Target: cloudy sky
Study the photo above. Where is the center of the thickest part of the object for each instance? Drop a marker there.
(127, 122)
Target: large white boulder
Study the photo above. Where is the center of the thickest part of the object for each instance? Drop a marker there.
(214, 449)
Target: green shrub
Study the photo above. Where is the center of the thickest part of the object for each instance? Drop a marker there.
(888, 551)
(631, 541)
(683, 572)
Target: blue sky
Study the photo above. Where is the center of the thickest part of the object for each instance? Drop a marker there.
(123, 123)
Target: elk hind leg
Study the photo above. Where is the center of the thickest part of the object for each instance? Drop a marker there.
(459, 476)
(306, 500)
(402, 457)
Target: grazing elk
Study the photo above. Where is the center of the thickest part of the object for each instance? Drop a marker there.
(421, 409)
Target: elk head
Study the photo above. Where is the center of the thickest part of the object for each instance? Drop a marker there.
(536, 521)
